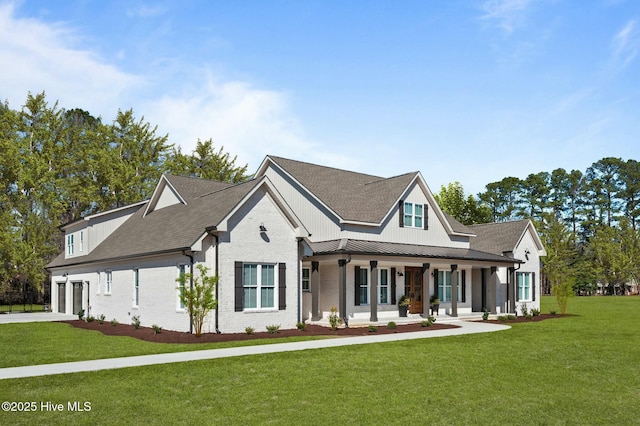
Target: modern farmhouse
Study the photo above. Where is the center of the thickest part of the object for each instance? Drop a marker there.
(287, 246)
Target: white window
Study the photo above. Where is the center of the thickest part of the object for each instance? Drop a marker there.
(413, 215)
(383, 286)
(81, 241)
(306, 279)
(444, 286)
(70, 244)
(182, 282)
(136, 287)
(524, 285)
(259, 286)
(108, 282)
(363, 286)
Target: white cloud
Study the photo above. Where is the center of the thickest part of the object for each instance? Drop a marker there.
(505, 14)
(249, 122)
(625, 44)
(38, 56)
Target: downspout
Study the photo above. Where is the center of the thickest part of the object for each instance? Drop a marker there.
(217, 285)
(190, 256)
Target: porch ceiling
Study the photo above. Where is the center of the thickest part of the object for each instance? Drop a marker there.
(349, 246)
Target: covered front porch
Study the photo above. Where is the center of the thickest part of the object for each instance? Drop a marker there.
(365, 286)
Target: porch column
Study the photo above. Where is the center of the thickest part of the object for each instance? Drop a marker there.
(342, 288)
(315, 278)
(454, 291)
(426, 293)
(374, 291)
(491, 291)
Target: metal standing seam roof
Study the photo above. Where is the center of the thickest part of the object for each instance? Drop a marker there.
(348, 246)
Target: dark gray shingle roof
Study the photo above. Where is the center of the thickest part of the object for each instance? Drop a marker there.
(352, 196)
(172, 228)
(499, 237)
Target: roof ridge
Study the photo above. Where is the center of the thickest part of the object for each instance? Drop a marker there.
(231, 186)
(390, 178)
(273, 157)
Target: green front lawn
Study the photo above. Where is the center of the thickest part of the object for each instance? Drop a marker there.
(575, 370)
(52, 342)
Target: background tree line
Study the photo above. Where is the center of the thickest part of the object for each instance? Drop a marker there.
(588, 221)
(59, 165)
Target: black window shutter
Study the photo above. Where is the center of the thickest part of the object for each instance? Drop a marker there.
(282, 286)
(393, 286)
(435, 282)
(401, 210)
(516, 286)
(464, 286)
(239, 303)
(425, 219)
(533, 286)
(356, 289)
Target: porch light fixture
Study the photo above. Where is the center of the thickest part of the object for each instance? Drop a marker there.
(400, 274)
(527, 253)
(263, 228)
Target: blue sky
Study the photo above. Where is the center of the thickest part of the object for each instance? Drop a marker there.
(468, 91)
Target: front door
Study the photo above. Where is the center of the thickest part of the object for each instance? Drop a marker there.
(413, 288)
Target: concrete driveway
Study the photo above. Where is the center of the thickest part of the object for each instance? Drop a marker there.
(34, 317)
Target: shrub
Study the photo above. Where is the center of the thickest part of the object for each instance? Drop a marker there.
(249, 330)
(114, 322)
(392, 325)
(485, 314)
(302, 326)
(334, 320)
(135, 321)
(373, 328)
(535, 312)
(524, 310)
(273, 329)
(101, 319)
(502, 318)
(156, 329)
(426, 323)
(553, 312)
(81, 314)
(511, 317)
(90, 318)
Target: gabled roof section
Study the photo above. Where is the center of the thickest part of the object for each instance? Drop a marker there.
(172, 190)
(176, 227)
(357, 197)
(352, 197)
(503, 237)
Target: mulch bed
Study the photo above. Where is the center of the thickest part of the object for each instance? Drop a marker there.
(166, 336)
(520, 319)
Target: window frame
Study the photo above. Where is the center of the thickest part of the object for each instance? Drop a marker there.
(387, 286)
(70, 245)
(182, 270)
(444, 285)
(520, 287)
(108, 280)
(81, 248)
(305, 280)
(412, 218)
(136, 287)
(260, 287)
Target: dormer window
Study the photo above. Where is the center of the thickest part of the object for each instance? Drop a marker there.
(413, 215)
(70, 244)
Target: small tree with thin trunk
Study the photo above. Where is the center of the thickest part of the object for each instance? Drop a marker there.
(198, 299)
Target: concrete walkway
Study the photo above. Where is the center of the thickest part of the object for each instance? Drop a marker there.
(137, 361)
